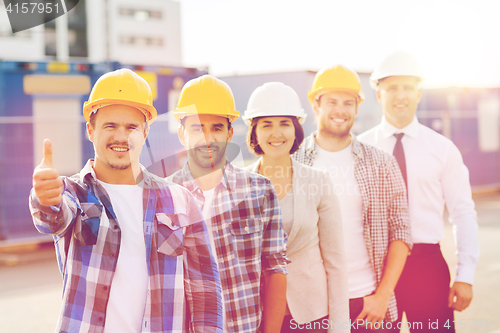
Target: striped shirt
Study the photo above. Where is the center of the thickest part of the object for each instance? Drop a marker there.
(385, 207)
(249, 239)
(181, 267)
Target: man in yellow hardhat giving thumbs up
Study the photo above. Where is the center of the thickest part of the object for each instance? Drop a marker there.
(129, 246)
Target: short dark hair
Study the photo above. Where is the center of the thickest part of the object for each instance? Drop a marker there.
(253, 144)
(183, 122)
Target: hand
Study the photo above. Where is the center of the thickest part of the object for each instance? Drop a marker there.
(46, 181)
(374, 310)
(460, 296)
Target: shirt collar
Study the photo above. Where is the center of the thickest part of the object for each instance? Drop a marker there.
(410, 130)
(357, 149)
(228, 180)
(88, 173)
(310, 145)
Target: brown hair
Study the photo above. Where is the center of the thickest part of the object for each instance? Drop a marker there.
(253, 144)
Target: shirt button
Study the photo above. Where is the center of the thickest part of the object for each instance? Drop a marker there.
(246, 229)
(105, 288)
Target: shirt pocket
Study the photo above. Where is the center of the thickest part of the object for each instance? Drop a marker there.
(247, 238)
(170, 233)
(88, 223)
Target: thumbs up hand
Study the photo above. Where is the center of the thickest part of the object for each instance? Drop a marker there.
(47, 183)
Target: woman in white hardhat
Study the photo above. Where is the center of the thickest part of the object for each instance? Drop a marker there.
(317, 299)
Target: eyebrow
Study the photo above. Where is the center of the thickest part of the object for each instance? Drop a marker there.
(118, 124)
(337, 100)
(218, 125)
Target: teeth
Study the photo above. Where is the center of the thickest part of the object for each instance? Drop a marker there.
(119, 149)
(205, 150)
(338, 120)
(276, 143)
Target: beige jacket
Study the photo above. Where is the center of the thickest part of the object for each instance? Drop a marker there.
(317, 276)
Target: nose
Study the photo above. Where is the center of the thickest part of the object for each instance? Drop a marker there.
(121, 134)
(401, 94)
(276, 131)
(208, 137)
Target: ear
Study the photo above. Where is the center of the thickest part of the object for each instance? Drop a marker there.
(315, 106)
(146, 132)
(230, 134)
(180, 134)
(377, 92)
(90, 132)
(419, 92)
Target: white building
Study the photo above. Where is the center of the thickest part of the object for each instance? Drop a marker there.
(133, 32)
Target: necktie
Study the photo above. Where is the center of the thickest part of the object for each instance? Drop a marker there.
(399, 153)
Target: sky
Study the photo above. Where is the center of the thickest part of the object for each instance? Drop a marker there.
(457, 42)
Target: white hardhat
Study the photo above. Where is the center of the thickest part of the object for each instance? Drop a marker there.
(399, 63)
(274, 99)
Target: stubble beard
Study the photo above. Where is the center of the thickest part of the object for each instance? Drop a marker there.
(209, 164)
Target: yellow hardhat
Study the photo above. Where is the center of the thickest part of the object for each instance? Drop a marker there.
(206, 95)
(121, 87)
(336, 78)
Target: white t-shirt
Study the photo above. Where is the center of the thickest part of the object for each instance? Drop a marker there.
(127, 297)
(207, 216)
(340, 167)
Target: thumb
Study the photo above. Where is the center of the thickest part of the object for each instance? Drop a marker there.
(451, 297)
(47, 154)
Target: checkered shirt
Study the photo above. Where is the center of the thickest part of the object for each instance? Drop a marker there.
(180, 264)
(385, 207)
(249, 239)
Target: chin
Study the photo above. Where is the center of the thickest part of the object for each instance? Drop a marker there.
(119, 166)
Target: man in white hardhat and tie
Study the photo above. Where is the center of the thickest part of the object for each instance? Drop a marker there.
(435, 176)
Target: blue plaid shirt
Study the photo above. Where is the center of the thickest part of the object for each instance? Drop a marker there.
(179, 259)
(248, 236)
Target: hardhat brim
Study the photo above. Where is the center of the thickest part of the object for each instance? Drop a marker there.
(315, 94)
(88, 106)
(191, 110)
(248, 119)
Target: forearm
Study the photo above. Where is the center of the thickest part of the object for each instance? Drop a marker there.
(274, 300)
(396, 258)
(203, 289)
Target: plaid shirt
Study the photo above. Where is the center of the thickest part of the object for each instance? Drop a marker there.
(385, 207)
(179, 260)
(248, 236)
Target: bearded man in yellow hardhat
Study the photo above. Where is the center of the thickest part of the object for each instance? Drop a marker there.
(241, 210)
(124, 237)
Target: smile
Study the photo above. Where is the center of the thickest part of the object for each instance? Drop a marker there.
(119, 149)
(276, 144)
(339, 120)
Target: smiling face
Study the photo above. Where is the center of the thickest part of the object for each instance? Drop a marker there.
(335, 113)
(118, 134)
(205, 137)
(275, 135)
(399, 96)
